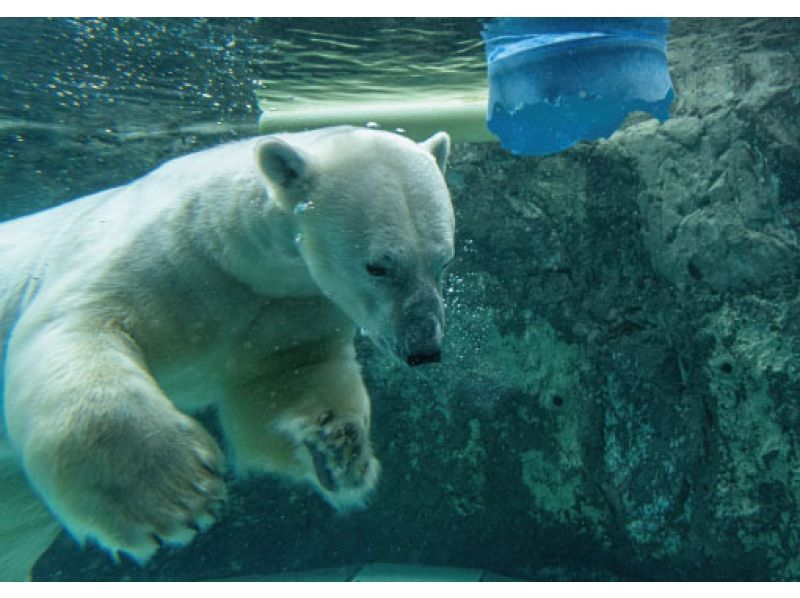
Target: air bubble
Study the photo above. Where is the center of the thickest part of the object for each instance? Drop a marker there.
(303, 207)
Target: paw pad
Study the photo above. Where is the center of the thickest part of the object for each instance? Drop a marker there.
(340, 452)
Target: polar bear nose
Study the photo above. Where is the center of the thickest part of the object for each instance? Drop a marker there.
(422, 327)
(420, 358)
(424, 342)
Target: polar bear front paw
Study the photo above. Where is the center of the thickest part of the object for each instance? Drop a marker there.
(140, 489)
(342, 457)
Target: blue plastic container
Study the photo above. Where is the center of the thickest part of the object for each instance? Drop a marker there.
(556, 81)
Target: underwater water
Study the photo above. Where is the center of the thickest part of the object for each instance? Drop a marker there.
(619, 392)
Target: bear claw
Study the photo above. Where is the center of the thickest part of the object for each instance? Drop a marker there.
(325, 417)
(324, 474)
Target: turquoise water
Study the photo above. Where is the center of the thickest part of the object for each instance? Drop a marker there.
(619, 394)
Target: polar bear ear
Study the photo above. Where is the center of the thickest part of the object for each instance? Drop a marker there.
(439, 146)
(284, 166)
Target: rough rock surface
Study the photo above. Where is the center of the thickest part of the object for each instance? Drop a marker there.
(620, 393)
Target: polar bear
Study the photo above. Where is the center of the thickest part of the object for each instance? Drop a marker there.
(234, 278)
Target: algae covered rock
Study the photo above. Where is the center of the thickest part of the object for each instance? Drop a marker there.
(710, 205)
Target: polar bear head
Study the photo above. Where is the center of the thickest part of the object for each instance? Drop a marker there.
(373, 222)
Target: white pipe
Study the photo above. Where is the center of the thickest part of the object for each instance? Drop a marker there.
(419, 118)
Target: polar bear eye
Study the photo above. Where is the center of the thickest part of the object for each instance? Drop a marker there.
(376, 270)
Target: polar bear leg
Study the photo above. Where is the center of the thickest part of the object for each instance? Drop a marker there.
(26, 528)
(101, 444)
(309, 419)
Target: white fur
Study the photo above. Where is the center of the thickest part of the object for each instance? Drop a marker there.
(232, 277)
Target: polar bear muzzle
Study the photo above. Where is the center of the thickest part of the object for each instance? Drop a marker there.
(423, 341)
(422, 326)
